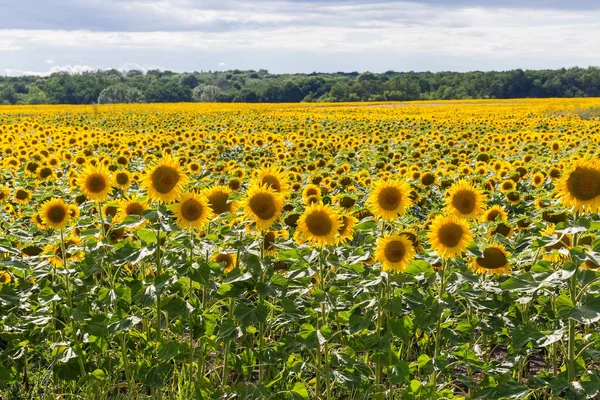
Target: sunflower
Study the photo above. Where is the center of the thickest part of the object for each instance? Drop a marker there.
(122, 179)
(465, 200)
(4, 193)
(556, 252)
(37, 220)
(5, 277)
(228, 260)
(165, 180)
(449, 235)
(507, 186)
(494, 212)
(394, 252)
(131, 206)
(95, 182)
(580, 187)
(494, 261)
(71, 254)
(311, 190)
(346, 229)
(274, 178)
(55, 214)
(269, 239)
(538, 179)
(22, 196)
(263, 205)
(192, 211)
(388, 199)
(218, 199)
(319, 225)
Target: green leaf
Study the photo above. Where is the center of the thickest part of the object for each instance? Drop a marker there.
(400, 373)
(508, 390)
(158, 375)
(523, 334)
(589, 312)
(564, 305)
(300, 390)
(147, 235)
(99, 375)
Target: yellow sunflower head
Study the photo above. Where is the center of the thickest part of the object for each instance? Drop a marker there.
(494, 261)
(219, 201)
(273, 178)
(263, 206)
(122, 179)
(388, 199)
(394, 252)
(95, 182)
(494, 212)
(579, 188)
(55, 214)
(192, 211)
(449, 235)
(319, 225)
(22, 196)
(465, 200)
(346, 230)
(538, 179)
(164, 180)
(131, 206)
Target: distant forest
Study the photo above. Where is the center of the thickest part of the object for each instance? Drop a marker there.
(154, 86)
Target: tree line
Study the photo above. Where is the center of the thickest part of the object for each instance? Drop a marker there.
(155, 86)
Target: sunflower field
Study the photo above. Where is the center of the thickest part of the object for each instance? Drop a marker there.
(443, 250)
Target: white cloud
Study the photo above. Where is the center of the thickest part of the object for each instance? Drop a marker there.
(72, 69)
(343, 31)
(49, 61)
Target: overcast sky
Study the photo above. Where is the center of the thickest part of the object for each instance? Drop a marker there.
(43, 36)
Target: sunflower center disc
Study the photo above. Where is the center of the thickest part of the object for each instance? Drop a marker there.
(389, 198)
(584, 183)
(450, 235)
(395, 251)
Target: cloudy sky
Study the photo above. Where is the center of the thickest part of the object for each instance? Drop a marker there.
(43, 36)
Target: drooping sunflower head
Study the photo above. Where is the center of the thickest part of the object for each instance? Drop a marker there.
(556, 251)
(346, 229)
(494, 261)
(95, 182)
(465, 200)
(164, 180)
(228, 260)
(394, 252)
(263, 206)
(319, 225)
(274, 178)
(192, 211)
(580, 187)
(270, 237)
(219, 199)
(55, 214)
(73, 252)
(449, 235)
(388, 199)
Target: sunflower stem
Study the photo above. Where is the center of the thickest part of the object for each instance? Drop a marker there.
(261, 324)
(70, 301)
(571, 355)
(190, 299)
(438, 329)
(158, 273)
